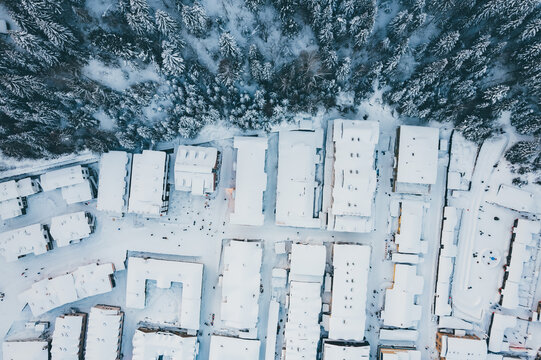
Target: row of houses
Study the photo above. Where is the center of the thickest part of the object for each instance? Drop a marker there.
(37, 239)
(75, 183)
(95, 336)
(334, 191)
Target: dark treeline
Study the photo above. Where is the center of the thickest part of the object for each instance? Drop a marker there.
(462, 61)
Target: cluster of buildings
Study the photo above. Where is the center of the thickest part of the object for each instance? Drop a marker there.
(93, 336)
(322, 183)
(13, 196)
(37, 239)
(507, 325)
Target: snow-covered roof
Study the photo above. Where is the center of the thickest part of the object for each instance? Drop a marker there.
(521, 264)
(251, 180)
(500, 323)
(354, 173)
(153, 344)
(31, 239)
(165, 272)
(8, 190)
(516, 199)
(112, 182)
(229, 348)
(104, 333)
(302, 329)
(77, 193)
(12, 189)
(343, 352)
(349, 290)
(408, 236)
(272, 324)
(460, 348)
(400, 309)
(399, 354)
(68, 335)
(26, 350)
(69, 227)
(148, 180)
(63, 177)
(307, 263)
(461, 162)
(27, 187)
(11, 208)
(442, 306)
(240, 284)
(296, 183)
(398, 335)
(418, 155)
(194, 169)
(85, 281)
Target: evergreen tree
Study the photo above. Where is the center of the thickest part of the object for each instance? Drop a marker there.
(195, 19)
(167, 26)
(172, 61)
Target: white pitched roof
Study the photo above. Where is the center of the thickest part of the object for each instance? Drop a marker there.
(400, 309)
(12, 189)
(500, 323)
(399, 354)
(349, 290)
(67, 337)
(251, 180)
(23, 241)
(8, 190)
(408, 237)
(62, 177)
(418, 155)
(307, 263)
(272, 324)
(302, 329)
(85, 281)
(147, 182)
(112, 182)
(342, 352)
(104, 333)
(11, 208)
(229, 348)
(456, 348)
(194, 167)
(516, 199)
(151, 344)
(77, 193)
(296, 184)
(26, 187)
(240, 284)
(26, 350)
(354, 173)
(190, 275)
(69, 227)
(524, 252)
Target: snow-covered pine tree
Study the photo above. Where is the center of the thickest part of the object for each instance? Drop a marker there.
(139, 18)
(445, 43)
(531, 29)
(195, 19)
(522, 152)
(25, 86)
(167, 26)
(228, 46)
(57, 34)
(344, 70)
(172, 61)
(34, 46)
